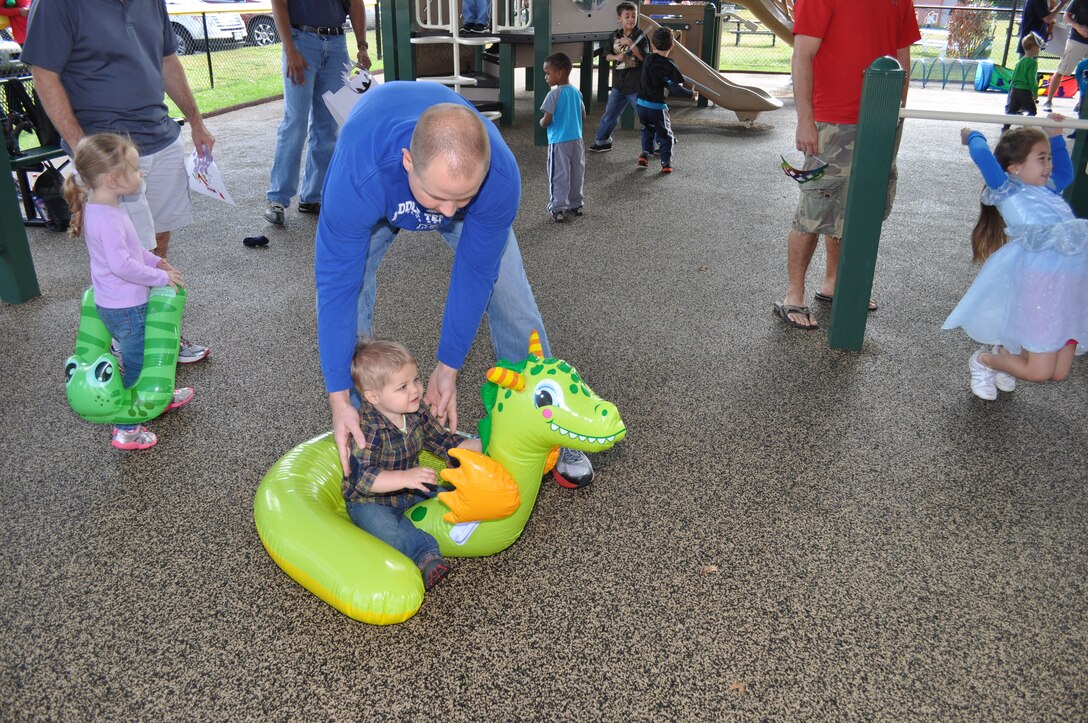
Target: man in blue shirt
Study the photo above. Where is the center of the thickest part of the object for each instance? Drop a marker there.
(416, 156)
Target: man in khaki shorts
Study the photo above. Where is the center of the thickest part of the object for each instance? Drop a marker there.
(1076, 50)
(84, 94)
(834, 42)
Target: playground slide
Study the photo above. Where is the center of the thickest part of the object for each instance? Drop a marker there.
(744, 100)
(774, 14)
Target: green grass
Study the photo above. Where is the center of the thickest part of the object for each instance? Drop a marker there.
(756, 54)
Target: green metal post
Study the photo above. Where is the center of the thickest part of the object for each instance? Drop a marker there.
(1077, 193)
(529, 78)
(389, 39)
(585, 75)
(627, 118)
(602, 74)
(542, 48)
(506, 82)
(866, 199)
(706, 52)
(405, 51)
(18, 282)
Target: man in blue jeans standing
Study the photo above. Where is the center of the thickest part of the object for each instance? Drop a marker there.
(314, 58)
(415, 156)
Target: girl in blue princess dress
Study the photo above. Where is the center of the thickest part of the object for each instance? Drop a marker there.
(1029, 303)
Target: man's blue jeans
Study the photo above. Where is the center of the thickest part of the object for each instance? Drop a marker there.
(617, 101)
(390, 525)
(511, 312)
(126, 326)
(306, 118)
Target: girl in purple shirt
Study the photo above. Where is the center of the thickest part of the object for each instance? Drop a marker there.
(122, 271)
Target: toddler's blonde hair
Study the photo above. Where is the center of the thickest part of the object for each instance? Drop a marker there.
(375, 360)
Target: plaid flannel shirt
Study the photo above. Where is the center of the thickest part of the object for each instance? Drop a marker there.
(387, 448)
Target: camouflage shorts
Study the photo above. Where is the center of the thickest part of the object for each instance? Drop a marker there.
(822, 206)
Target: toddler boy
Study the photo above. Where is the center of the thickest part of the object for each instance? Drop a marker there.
(385, 478)
(1025, 80)
(563, 114)
(629, 48)
(658, 74)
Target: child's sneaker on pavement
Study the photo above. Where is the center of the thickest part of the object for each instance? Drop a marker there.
(139, 438)
(1002, 380)
(982, 378)
(666, 168)
(181, 397)
(575, 211)
(643, 160)
(600, 148)
(434, 571)
(558, 216)
(190, 353)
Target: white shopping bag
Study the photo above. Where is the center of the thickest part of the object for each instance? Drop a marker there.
(342, 101)
(205, 178)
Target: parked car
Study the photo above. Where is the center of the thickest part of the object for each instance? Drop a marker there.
(225, 30)
(260, 25)
(10, 65)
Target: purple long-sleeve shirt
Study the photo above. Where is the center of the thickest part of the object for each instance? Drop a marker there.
(121, 269)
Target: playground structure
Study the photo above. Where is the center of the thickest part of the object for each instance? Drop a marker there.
(428, 45)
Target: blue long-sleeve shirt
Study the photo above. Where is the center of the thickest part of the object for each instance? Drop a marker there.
(995, 176)
(366, 184)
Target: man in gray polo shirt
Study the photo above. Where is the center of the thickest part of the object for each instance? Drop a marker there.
(102, 66)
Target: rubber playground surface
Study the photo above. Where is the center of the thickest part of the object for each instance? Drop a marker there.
(788, 532)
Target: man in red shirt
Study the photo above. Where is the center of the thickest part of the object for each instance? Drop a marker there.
(834, 42)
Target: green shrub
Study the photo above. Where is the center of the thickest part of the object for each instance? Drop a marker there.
(970, 32)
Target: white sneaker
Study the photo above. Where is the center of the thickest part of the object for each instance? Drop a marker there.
(1048, 107)
(573, 469)
(982, 378)
(1002, 380)
(190, 353)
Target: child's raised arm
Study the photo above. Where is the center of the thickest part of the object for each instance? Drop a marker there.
(992, 172)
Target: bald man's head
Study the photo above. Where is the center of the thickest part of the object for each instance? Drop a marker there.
(455, 135)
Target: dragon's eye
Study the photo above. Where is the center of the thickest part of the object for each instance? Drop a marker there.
(69, 370)
(547, 394)
(103, 371)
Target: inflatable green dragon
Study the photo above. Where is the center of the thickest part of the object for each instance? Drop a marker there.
(94, 385)
(533, 406)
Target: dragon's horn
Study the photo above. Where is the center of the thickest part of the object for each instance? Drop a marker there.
(535, 347)
(506, 378)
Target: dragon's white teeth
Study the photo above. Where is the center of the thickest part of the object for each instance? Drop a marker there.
(613, 437)
(555, 428)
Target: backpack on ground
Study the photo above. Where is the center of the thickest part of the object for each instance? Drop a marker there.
(49, 187)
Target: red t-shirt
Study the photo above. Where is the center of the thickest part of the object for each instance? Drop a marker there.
(853, 34)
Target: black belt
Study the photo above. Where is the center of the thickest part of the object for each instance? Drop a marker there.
(319, 31)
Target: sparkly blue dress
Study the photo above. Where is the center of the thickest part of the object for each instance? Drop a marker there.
(1032, 293)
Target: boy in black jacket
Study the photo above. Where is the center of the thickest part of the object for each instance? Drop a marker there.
(659, 73)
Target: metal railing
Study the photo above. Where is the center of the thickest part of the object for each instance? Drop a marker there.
(506, 15)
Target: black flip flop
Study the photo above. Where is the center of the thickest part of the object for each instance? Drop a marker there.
(784, 310)
(254, 241)
(827, 299)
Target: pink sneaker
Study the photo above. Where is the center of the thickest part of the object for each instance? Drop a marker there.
(181, 397)
(139, 438)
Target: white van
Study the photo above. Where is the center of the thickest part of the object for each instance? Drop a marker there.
(225, 30)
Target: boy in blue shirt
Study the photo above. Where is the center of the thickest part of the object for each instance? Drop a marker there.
(563, 115)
